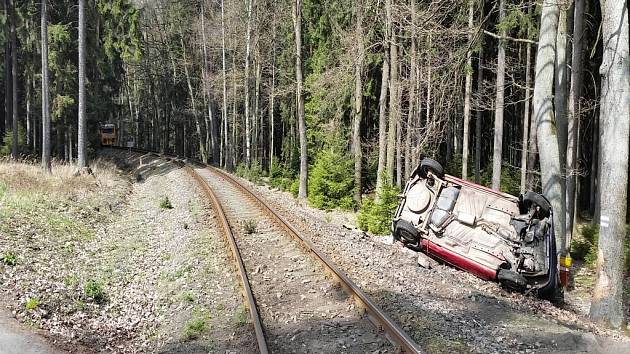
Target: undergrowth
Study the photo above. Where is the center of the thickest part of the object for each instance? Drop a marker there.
(584, 245)
(375, 215)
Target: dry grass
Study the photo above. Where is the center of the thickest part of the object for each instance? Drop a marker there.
(29, 176)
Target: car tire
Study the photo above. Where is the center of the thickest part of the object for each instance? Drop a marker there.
(537, 199)
(512, 280)
(405, 231)
(428, 164)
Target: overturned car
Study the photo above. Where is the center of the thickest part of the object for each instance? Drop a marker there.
(493, 235)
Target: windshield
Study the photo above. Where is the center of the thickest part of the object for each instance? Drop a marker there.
(108, 130)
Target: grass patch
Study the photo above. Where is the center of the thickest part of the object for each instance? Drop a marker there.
(32, 304)
(250, 226)
(165, 203)
(94, 290)
(196, 327)
(188, 297)
(241, 317)
(9, 258)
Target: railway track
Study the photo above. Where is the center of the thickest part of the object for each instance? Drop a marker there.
(298, 299)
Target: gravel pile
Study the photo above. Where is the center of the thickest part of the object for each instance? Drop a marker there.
(446, 310)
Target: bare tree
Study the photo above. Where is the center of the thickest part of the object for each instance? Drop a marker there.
(81, 138)
(248, 139)
(497, 156)
(393, 95)
(14, 92)
(358, 100)
(543, 115)
(574, 112)
(560, 115)
(382, 115)
(45, 91)
(226, 134)
(468, 91)
(607, 300)
(528, 61)
(297, 24)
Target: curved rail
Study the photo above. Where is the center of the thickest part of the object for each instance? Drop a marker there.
(396, 334)
(236, 254)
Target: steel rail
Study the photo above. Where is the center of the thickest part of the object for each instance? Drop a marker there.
(394, 332)
(236, 255)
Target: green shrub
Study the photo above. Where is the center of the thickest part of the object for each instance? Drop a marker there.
(585, 247)
(9, 258)
(254, 173)
(94, 290)
(375, 216)
(295, 187)
(165, 203)
(7, 142)
(280, 176)
(331, 181)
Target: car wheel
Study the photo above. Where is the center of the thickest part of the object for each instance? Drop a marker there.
(512, 280)
(534, 198)
(428, 164)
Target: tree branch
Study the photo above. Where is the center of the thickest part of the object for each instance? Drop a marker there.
(510, 38)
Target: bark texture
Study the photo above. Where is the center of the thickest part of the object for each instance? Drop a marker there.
(607, 301)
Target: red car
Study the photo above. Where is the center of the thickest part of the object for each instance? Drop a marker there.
(493, 235)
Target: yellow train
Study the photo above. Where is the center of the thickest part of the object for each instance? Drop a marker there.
(107, 134)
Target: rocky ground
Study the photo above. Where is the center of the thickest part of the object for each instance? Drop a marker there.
(117, 261)
(446, 310)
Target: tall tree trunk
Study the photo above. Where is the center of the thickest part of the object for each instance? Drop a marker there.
(412, 94)
(393, 98)
(526, 118)
(382, 120)
(29, 126)
(544, 119)
(213, 121)
(497, 155)
(478, 118)
(226, 133)
(297, 22)
(82, 124)
(607, 301)
(45, 91)
(272, 105)
(560, 105)
(202, 144)
(574, 114)
(358, 104)
(525, 145)
(14, 93)
(468, 90)
(8, 87)
(248, 148)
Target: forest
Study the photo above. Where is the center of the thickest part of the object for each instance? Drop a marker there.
(338, 101)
